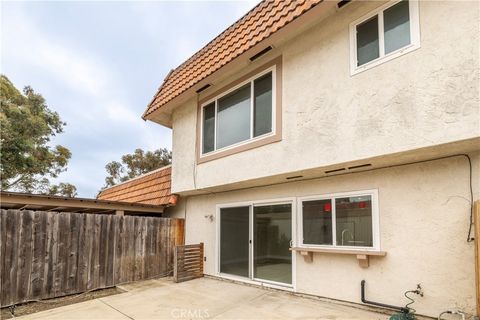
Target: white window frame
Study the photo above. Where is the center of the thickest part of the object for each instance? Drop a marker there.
(375, 220)
(414, 37)
(215, 99)
(251, 279)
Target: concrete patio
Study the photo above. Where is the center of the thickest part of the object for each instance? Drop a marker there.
(205, 298)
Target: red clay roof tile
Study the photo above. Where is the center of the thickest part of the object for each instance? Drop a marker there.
(151, 188)
(261, 22)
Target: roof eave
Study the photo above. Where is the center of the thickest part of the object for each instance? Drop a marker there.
(163, 114)
(82, 203)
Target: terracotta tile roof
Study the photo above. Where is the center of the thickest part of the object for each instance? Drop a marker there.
(262, 21)
(151, 188)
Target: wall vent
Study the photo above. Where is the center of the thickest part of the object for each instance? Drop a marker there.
(261, 53)
(335, 170)
(360, 166)
(205, 87)
(343, 3)
(294, 177)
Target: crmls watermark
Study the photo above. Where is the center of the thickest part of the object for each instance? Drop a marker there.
(190, 313)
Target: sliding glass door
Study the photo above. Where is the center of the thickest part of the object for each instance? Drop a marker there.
(254, 242)
(235, 238)
(272, 258)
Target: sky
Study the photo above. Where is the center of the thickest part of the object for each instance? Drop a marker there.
(99, 63)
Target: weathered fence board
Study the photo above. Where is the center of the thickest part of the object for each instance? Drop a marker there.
(188, 262)
(49, 254)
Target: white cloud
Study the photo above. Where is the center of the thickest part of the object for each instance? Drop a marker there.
(83, 73)
(33, 47)
(93, 105)
(181, 28)
(80, 73)
(118, 111)
(91, 82)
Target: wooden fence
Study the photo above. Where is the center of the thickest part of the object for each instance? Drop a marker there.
(48, 254)
(188, 262)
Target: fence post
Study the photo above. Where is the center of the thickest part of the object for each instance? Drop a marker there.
(175, 264)
(201, 256)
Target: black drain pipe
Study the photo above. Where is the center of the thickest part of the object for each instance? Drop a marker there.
(402, 309)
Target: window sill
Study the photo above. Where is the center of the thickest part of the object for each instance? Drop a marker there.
(248, 145)
(362, 255)
(374, 63)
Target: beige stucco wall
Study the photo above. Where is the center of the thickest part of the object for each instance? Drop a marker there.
(423, 211)
(424, 98)
(427, 97)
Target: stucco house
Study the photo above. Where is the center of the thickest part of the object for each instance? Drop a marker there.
(317, 144)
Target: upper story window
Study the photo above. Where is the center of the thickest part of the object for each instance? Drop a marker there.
(384, 34)
(241, 116)
(348, 221)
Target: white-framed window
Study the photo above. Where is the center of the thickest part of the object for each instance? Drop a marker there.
(240, 115)
(384, 34)
(341, 221)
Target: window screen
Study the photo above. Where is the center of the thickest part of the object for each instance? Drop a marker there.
(209, 128)
(263, 105)
(354, 221)
(367, 41)
(396, 22)
(317, 222)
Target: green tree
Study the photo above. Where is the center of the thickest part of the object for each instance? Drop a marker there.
(63, 189)
(135, 164)
(27, 158)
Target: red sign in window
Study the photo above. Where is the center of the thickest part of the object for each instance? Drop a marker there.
(327, 207)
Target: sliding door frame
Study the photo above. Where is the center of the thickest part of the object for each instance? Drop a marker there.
(251, 204)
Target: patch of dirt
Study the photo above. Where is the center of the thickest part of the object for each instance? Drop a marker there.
(33, 307)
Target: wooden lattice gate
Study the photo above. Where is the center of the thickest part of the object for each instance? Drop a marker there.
(188, 262)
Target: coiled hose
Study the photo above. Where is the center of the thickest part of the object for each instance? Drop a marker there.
(461, 313)
(411, 310)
